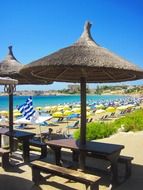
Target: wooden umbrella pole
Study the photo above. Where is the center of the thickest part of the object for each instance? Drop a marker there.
(83, 121)
(11, 112)
(11, 118)
(10, 89)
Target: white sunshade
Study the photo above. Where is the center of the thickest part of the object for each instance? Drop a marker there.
(7, 80)
(39, 120)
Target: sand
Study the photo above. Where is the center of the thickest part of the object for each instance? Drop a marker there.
(20, 178)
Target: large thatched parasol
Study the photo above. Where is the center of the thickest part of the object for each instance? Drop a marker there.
(10, 67)
(84, 61)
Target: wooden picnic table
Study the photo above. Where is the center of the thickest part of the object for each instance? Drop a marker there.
(101, 150)
(22, 136)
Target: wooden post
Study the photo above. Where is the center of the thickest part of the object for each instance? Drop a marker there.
(83, 121)
(11, 120)
(83, 111)
(10, 89)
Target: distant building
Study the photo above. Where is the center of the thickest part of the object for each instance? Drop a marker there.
(75, 88)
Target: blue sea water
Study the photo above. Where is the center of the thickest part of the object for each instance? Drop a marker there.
(54, 100)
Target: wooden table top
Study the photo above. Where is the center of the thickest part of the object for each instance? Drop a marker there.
(92, 146)
(16, 133)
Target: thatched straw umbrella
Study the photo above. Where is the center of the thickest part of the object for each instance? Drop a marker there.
(84, 61)
(10, 67)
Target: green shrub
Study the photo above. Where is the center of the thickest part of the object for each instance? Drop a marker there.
(131, 122)
(97, 130)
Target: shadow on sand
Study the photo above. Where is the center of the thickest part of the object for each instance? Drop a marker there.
(8, 182)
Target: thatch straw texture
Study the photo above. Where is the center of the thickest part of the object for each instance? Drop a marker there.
(85, 58)
(10, 67)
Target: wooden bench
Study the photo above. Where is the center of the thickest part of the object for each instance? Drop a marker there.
(41, 145)
(128, 166)
(126, 160)
(5, 158)
(87, 179)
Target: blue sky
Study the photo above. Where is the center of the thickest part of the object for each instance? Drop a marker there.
(37, 28)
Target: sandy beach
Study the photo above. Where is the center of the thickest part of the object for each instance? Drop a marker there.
(20, 176)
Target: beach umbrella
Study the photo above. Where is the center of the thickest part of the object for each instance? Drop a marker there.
(47, 108)
(57, 114)
(66, 107)
(110, 109)
(130, 105)
(4, 112)
(60, 108)
(67, 113)
(100, 106)
(53, 109)
(88, 114)
(17, 114)
(121, 108)
(76, 110)
(10, 67)
(38, 108)
(99, 111)
(84, 61)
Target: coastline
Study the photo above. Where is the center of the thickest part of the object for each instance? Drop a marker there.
(45, 93)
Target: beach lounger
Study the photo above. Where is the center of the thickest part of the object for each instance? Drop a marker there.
(74, 125)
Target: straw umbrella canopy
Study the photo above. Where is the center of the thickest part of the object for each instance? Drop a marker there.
(84, 61)
(10, 67)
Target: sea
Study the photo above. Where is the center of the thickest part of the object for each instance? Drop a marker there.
(43, 101)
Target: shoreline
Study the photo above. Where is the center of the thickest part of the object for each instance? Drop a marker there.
(63, 94)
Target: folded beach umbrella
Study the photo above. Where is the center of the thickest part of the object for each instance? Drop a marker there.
(84, 61)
